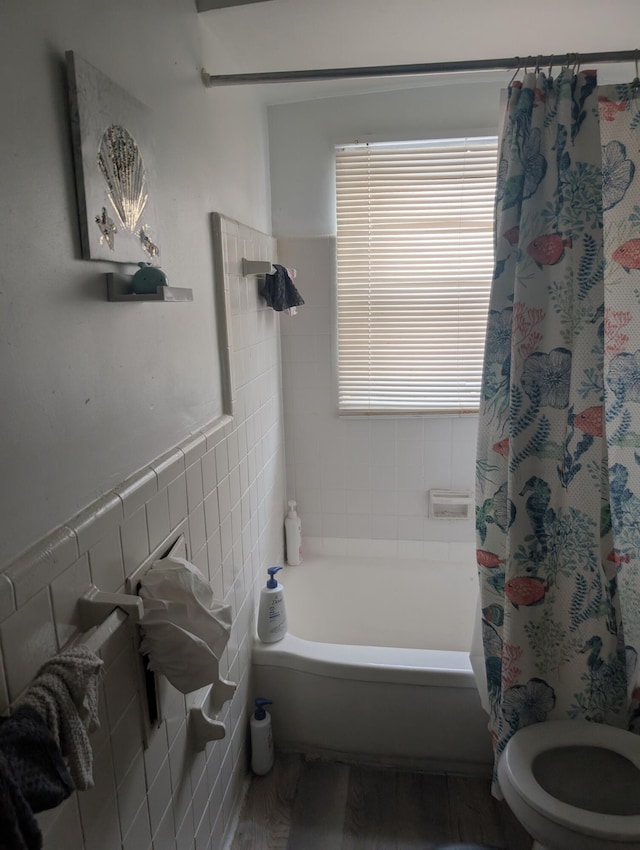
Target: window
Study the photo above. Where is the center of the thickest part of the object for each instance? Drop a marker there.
(415, 262)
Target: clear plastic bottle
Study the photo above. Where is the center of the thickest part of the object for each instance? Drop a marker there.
(272, 612)
(262, 754)
(293, 536)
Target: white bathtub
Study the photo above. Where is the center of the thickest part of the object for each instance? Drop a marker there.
(375, 666)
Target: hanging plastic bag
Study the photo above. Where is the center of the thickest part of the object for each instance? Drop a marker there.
(185, 629)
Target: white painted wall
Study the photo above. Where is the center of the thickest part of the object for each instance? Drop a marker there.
(302, 139)
(361, 484)
(92, 391)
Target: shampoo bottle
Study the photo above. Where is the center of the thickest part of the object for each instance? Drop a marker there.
(272, 613)
(261, 738)
(293, 536)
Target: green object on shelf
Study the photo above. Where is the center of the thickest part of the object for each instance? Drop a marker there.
(147, 279)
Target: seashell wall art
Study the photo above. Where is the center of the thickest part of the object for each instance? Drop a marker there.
(114, 168)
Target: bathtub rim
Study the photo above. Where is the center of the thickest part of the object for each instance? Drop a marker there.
(399, 665)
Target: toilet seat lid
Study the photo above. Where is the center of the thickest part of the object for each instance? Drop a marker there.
(529, 742)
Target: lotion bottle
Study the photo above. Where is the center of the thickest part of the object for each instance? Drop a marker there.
(293, 536)
(272, 613)
(261, 738)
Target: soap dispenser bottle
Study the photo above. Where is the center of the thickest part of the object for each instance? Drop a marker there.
(293, 536)
(272, 613)
(261, 738)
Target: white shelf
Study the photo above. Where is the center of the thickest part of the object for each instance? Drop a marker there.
(119, 289)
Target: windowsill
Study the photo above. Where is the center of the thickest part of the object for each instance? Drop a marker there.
(399, 415)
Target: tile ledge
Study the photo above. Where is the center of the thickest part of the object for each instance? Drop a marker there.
(40, 564)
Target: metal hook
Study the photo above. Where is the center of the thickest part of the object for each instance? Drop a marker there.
(537, 67)
(635, 83)
(576, 64)
(519, 61)
(549, 75)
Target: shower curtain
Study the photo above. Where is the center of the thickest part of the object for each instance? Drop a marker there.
(558, 470)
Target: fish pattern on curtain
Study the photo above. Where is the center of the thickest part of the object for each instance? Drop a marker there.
(557, 512)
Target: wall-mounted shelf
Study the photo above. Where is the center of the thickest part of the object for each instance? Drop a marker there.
(119, 289)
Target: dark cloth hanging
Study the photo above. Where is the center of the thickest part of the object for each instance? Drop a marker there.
(279, 291)
(33, 777)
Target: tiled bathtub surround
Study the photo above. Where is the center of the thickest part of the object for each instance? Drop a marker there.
(225, 483)
(361, 483)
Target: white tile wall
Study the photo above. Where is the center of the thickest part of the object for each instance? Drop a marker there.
(361, 484)
(228, 481)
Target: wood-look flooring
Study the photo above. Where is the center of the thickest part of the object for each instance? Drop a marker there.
(319, 805)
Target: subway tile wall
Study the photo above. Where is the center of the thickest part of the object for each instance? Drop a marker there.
(226, 485)
(361, 484)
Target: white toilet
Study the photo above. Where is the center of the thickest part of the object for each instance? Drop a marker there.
(574, 785)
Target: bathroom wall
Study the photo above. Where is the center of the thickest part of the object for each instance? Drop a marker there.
(112, 431)
(361, 483)
(93, 391)
(225, 485)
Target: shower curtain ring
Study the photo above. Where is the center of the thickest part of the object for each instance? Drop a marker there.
(519, 61)
(635, 83)
(537, 67)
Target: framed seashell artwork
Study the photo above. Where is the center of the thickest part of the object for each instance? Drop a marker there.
(114, 168)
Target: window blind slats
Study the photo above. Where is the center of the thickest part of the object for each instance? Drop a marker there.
(415, 260)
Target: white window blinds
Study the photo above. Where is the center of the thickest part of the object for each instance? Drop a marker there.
(415, 261)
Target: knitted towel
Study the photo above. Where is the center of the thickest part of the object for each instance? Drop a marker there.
(33, 777)
(279, 290)
(65, 694)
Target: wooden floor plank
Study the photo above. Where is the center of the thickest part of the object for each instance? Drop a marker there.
(369, 822)
(516, 836)
(477, 817)
(320, 805)
(265, 819)
(395, 810)
(422, 811)
(318, 814)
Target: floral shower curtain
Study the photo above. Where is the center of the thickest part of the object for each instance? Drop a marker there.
(558, 472)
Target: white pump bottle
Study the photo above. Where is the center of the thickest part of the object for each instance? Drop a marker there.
(293, 536)
(262, 754)
(272, 612)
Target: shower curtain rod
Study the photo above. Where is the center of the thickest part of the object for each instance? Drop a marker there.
(510, 64)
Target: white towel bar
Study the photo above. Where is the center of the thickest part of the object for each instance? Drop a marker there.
(255, 267)
(96, 637)
(250, 267)
(101, 614)
(96, 605)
